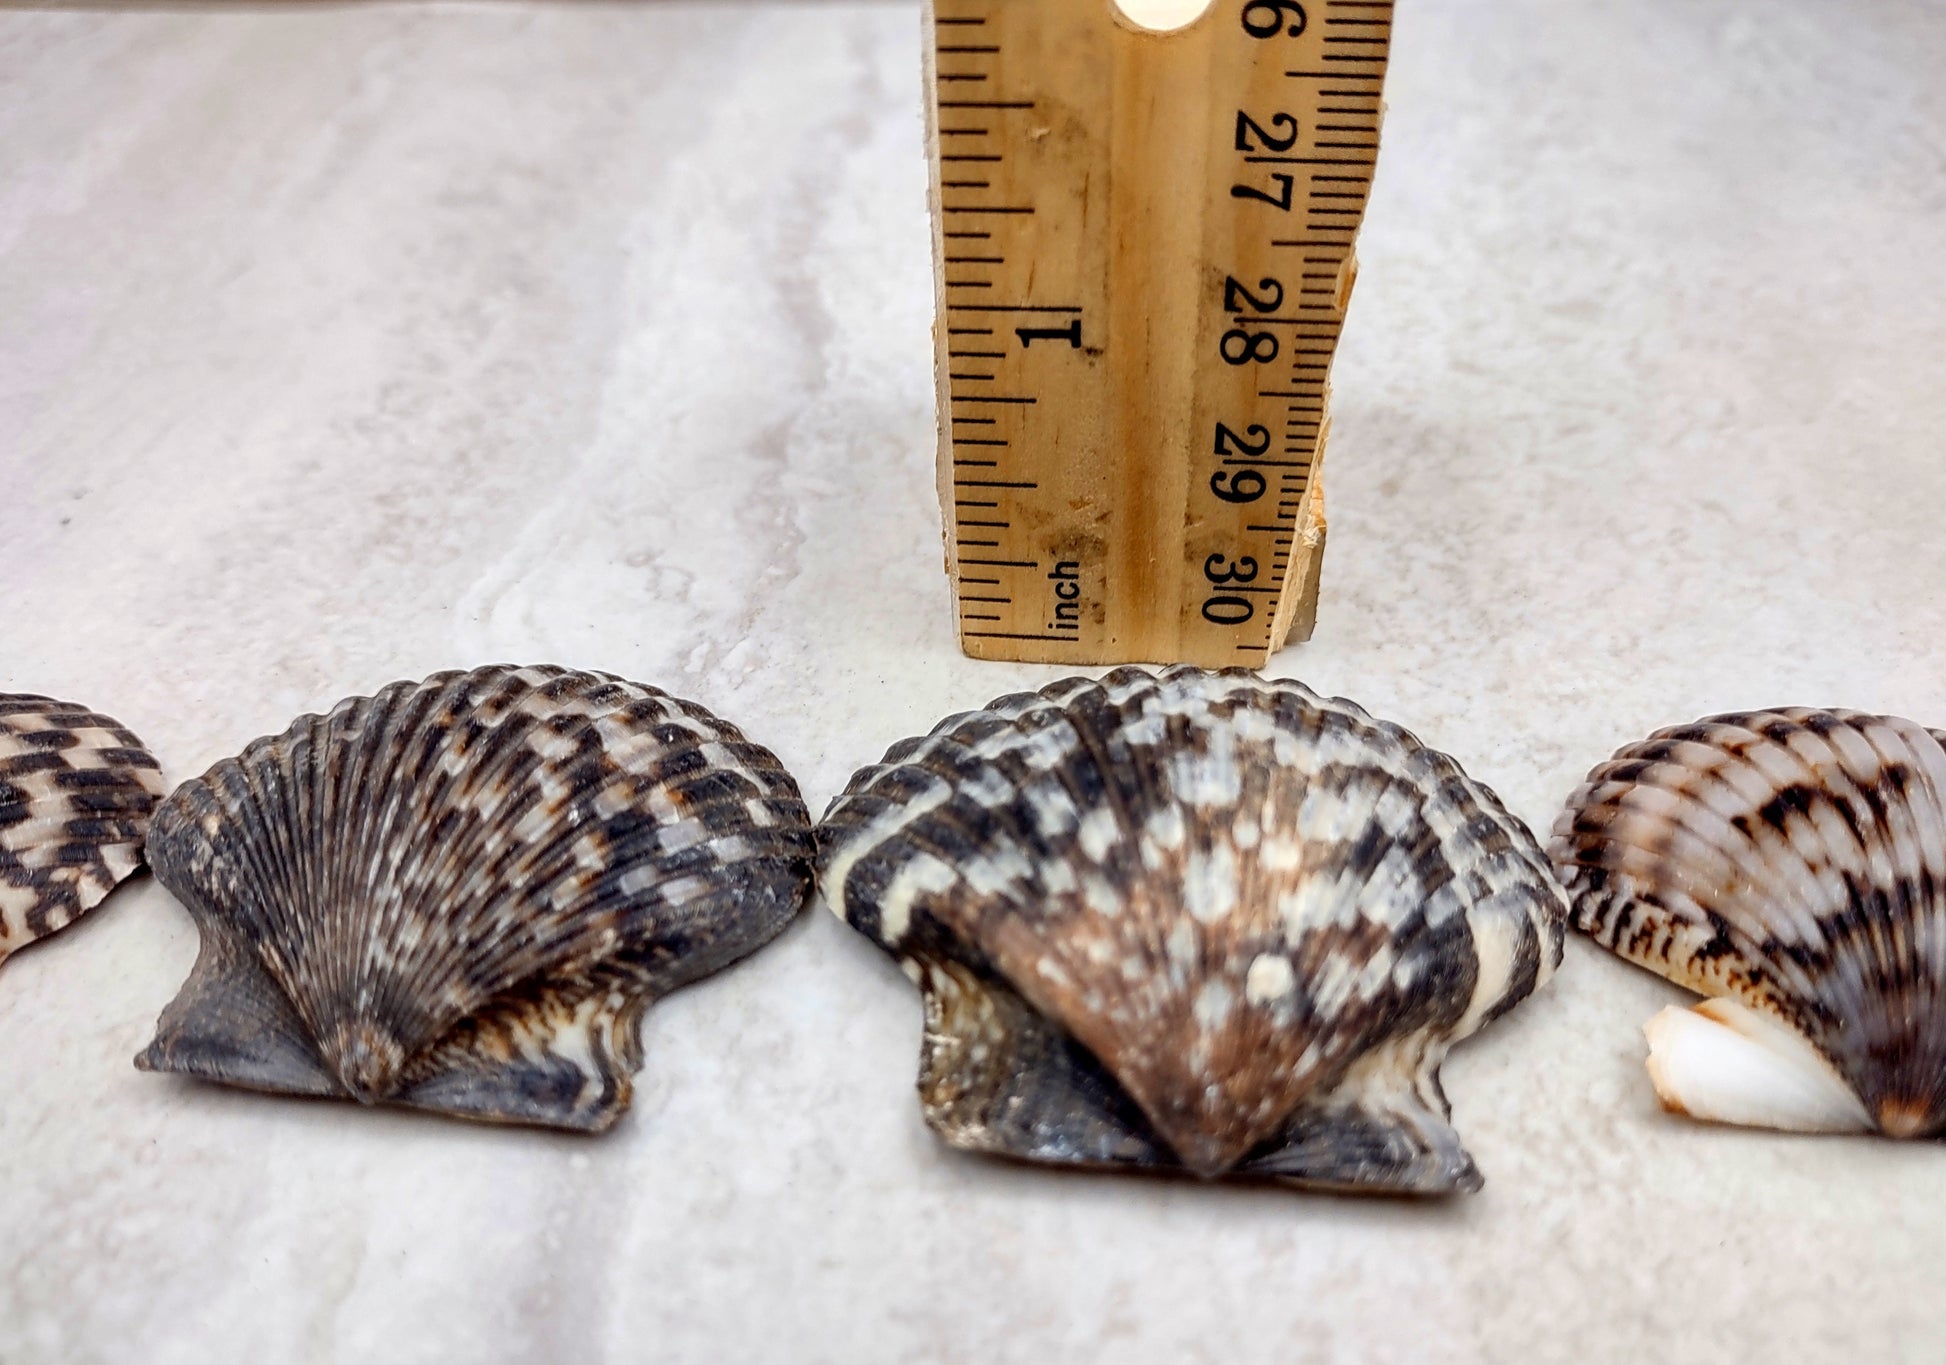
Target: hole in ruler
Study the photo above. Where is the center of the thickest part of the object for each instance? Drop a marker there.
(1160, 16)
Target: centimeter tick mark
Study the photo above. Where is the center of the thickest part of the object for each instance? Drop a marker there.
(1317, 160)
(1012, 308)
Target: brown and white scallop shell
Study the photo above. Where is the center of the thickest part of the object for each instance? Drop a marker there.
(461, 894)
(1791, 865)
(1194, 920)
(76, 791)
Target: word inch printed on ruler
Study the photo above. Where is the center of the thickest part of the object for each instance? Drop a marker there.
(1143, 245)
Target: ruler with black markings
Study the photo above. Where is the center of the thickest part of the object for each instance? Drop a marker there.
(1143, 252)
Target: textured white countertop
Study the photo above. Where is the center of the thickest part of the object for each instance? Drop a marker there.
(341, 344)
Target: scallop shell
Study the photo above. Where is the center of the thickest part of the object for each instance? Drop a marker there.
(461, 894)
(76, 791)
(1194, 920)
(1790, 864)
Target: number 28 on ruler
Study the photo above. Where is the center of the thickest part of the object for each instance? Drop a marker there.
(1144, 248)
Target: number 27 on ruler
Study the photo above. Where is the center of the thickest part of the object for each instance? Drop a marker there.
(1143, 243)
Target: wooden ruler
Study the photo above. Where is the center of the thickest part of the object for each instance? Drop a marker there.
(1143, 250)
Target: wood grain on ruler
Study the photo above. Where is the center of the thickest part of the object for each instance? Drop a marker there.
(1143, 255)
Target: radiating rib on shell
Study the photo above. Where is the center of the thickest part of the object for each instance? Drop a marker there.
(76, 791)
(461, 894)
(1193, 919)
(1793, 861)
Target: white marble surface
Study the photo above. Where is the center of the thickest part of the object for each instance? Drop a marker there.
(344, 343)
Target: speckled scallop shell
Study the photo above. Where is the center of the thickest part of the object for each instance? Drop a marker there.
(76, 791)
(461, 894)
(1791, 865)
(1194, 920)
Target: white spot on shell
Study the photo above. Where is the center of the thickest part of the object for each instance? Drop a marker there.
(1209, 887)
(1000, 871)
(1182, 947)
(1213, 1004)
(1269, 979)
(1495, 939)
(1097, 833)
(1281, 855)
(1059, 878)
(1208, 779)
(925, 875)
(1054, 972)
(1100, 896)
(1166, 829)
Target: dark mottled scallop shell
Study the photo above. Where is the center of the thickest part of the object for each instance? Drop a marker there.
(76, 791)
(1194, 920)
(1790, 864)
(461, 894)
